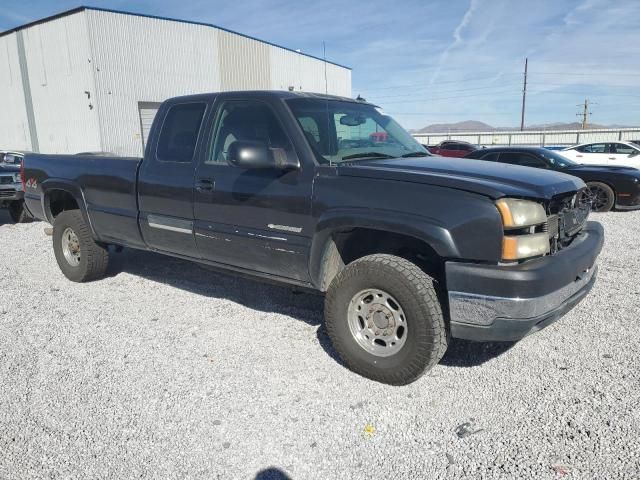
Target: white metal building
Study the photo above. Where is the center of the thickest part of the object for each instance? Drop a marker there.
(91, 79)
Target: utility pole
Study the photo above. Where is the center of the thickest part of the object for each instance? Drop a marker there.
(585, 113)
(524, 93)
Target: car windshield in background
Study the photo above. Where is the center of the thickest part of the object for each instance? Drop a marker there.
(556, 159)
(346, 131)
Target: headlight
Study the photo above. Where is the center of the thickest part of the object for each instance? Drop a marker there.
(520, 213)
(523, 222)
(16, 178)
(525, 246)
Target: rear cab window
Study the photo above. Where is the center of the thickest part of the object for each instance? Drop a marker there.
(179, 132)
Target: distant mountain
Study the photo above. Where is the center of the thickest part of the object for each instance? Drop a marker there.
(466, 126)
(476, 126)
(566, 126)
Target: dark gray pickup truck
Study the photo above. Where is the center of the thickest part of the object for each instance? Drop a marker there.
(333, 195)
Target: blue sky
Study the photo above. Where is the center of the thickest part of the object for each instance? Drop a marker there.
(445, 60)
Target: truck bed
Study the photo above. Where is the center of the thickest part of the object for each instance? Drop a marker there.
(105, 184)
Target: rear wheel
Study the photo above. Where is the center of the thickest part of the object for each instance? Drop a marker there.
(602, 196)
(79, 257)
(384, 319)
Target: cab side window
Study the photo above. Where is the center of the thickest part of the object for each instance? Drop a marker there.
(245, 121)
(179, 133)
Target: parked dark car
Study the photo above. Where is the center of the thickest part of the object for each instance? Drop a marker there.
(610, 186)
(453, 148)
(12, 193)
(408, 249)
(11, 157)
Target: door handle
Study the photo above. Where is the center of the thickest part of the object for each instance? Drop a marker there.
(612, 158)
(205, 184)
(578, 156)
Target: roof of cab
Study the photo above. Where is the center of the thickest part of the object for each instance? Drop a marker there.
(284, 94)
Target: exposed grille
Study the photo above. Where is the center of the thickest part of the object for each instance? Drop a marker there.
(7, 193)
(6, 180)
(567, 216)
(551, 226)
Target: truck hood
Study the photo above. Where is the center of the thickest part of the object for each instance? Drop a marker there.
(494, 180)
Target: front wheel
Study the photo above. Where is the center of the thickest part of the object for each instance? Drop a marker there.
(385, 320)
(79, 257)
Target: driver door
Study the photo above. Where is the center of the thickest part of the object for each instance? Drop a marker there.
(254, 219)
(619, 154)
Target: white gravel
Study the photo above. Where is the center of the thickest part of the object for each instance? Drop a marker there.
(166, 370)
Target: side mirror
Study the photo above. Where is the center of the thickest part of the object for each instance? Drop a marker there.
(635, 153)
(255, 154)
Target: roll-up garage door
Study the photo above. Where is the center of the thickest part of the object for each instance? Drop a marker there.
(147, 111)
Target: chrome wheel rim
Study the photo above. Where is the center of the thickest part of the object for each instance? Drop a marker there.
(71, 247)
(377, 322)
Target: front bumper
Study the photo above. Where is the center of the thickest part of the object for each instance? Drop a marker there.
(11, 192)
(626, 201)
(506, 303)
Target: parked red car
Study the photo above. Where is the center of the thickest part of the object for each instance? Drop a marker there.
(453, 148)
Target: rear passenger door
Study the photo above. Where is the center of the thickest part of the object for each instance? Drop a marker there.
(619, 154)
(165, 181)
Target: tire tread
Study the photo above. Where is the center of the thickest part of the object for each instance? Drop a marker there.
(434, 339)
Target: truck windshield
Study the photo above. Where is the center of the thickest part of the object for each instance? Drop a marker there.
(348, 131)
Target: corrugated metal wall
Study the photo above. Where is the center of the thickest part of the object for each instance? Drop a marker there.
(88, 72)
(139, 59)
(244, 63)
(307, 74)
(58, 63)
(14, 129)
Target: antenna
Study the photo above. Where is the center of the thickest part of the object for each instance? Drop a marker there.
(326, 99)
(324, 58)
(524, 93)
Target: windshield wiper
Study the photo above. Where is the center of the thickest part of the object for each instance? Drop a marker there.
(368, 155)
(416, 154)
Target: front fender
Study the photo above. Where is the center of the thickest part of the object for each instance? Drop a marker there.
(422, 228)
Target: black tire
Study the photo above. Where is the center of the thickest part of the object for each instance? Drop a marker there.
(603, 196)
(93, 258)
(426, 338)
(18, 213)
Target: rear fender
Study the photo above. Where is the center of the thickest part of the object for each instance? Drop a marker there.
(74, 190)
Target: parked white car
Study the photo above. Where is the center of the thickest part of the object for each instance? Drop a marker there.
(626, 154)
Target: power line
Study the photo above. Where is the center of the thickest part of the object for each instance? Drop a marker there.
(410, 85)
(524, 93)
(428, 99)
(585, 113)
(413, 92)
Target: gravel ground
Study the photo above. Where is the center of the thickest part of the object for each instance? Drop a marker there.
(165, 369)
